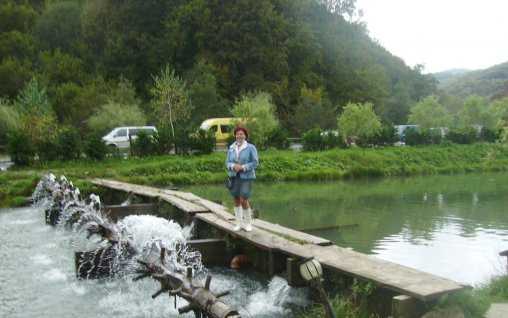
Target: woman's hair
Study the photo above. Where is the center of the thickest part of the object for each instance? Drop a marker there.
(242, 128)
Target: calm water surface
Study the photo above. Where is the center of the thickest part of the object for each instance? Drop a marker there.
(452, 226)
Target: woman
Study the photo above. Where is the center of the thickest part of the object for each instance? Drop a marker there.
(241, 162)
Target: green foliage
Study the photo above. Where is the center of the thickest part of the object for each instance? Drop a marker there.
(183, 140)
(13, 76)
(429, 113)
(258, 114)
(358, 122)
(386, 136)
(15, 17)
(203, 142)
(143, 145)
(485, 83)
(170, 102)
(37, 119)
(472, 112)
(489, 135)
(68, 144)
(94, 147)
(59, 25)
(417, 137)
(204, 93)
(462, 135)
(18, 45)
(312, 111)
(8, 120)
(20, 149)
(163, 140)
(318, 140)
(278, 139)
(114, 114)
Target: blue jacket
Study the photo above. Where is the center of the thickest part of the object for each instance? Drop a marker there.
(248, 159)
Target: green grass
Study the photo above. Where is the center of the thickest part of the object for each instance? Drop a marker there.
(336, 164)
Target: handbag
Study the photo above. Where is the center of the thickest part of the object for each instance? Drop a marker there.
(229, 183)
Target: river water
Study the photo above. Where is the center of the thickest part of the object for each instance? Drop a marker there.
(453, 226)
(37, 278)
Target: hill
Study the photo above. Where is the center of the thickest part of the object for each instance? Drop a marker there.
(490, 83)
(82, 50)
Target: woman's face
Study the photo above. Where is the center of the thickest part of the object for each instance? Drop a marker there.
(240, 136)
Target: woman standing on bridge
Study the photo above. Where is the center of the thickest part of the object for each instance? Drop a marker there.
(241, 162)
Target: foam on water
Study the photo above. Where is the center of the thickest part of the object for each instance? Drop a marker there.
(41, 259)
(55, 274)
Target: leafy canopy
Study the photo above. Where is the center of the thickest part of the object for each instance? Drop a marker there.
(358, 122)
(429, 113)
(256, 111)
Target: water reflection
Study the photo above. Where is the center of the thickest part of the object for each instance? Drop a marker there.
(453, 226)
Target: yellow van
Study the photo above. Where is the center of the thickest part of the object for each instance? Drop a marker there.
(222, 128)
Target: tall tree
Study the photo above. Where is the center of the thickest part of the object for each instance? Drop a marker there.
(170, 102)
(429, 113)
(358, 123)
(257, 111)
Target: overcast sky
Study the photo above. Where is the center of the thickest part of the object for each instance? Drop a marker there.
(440, 34)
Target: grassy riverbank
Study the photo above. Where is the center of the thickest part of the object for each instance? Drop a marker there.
(170, 170)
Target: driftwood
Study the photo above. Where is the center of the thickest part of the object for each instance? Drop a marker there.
(202, 301)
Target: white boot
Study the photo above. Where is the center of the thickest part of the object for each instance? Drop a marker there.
(239, 218)
(247, 220)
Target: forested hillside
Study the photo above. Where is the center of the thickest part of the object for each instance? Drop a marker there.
(87, 53)
(491, 83)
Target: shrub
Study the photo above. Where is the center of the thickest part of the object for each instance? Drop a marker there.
(144, 145)
(462, 135)
(68, 144)
(163, 140)
(417, 137)
(313, 140)
(203, 142)
(47, 150)
(20, 149)
(489, 135)
(278, 138)
(183, 141)
(94, 147)
(386, 136)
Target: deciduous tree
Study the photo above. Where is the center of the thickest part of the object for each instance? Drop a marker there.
(170, 102)
(257, 112)
(358, 122)
(429, 113)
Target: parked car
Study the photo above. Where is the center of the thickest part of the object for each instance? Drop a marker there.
(121, 137)
(221, 127)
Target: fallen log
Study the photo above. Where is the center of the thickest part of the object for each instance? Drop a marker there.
(201, 300)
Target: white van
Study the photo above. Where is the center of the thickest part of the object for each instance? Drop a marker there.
(119, 137)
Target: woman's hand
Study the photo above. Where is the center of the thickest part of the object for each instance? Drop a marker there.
(238, 167)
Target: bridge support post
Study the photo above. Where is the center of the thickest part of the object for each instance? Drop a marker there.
(404, 306)
(213, 251)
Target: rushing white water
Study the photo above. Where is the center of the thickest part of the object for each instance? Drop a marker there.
(38, 278)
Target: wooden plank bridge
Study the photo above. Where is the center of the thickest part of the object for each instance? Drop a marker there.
(278, 240)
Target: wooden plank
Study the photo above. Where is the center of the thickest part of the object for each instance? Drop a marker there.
(297, 235)
(153, 193)
(396, 277)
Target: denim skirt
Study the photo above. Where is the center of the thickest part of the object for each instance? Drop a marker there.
(241, 187)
